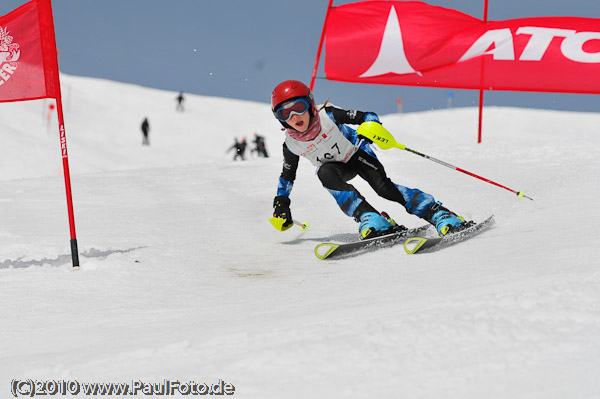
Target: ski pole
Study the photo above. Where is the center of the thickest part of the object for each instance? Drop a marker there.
(303, 226)
(384, 139)
(278, 224)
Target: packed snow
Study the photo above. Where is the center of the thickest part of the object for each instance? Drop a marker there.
(183, 278)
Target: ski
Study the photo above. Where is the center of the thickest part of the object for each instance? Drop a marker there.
(415, 245)
(329, 250)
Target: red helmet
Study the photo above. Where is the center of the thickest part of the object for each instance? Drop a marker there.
(290, 89)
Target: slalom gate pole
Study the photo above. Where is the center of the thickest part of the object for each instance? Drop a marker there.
(65, 158)
(316, 67)
(52, 77)
(376, 133)
(482, 73)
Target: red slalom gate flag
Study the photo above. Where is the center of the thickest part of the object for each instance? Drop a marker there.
(28, 65)
(29, 70)
(416, 44)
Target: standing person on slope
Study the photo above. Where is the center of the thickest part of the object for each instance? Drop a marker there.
(322, 136)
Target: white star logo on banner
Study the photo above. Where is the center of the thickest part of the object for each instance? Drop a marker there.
(391, 57)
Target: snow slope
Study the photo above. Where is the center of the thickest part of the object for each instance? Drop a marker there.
(183, 278)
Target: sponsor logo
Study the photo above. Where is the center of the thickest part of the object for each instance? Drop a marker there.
(499, 43)
(361, 159)
(502, 46)
(379, 138)
(9, 55)
(391, 57)
(63, 141)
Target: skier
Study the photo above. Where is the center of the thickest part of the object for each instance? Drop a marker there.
(180, 100)
(260, 147)
(145, 131)
(239, 147)
(322, 136)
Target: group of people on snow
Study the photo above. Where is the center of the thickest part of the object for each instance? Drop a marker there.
(240, 148)
(145, 126)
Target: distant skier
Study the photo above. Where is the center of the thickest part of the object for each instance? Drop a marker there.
(145, 131)
(240, 149)
(180, 100)
(322, 136)
(259, 146)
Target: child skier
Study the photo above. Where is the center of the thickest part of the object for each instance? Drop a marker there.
(322, 136)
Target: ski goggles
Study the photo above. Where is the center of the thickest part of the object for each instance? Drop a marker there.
(287, 110)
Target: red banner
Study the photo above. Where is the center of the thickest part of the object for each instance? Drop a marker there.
(416, 44)
(28, 65)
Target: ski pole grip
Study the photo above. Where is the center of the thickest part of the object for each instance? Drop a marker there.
(379, 135)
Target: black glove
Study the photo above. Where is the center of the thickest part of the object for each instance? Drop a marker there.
(281, 209)
(365, 138)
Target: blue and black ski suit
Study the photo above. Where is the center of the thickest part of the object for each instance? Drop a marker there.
(334, 175)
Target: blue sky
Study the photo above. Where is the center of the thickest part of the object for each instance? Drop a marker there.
(242, 49)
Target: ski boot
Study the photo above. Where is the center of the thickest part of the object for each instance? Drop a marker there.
(373, 224)
(444, 220)
(389, 219)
